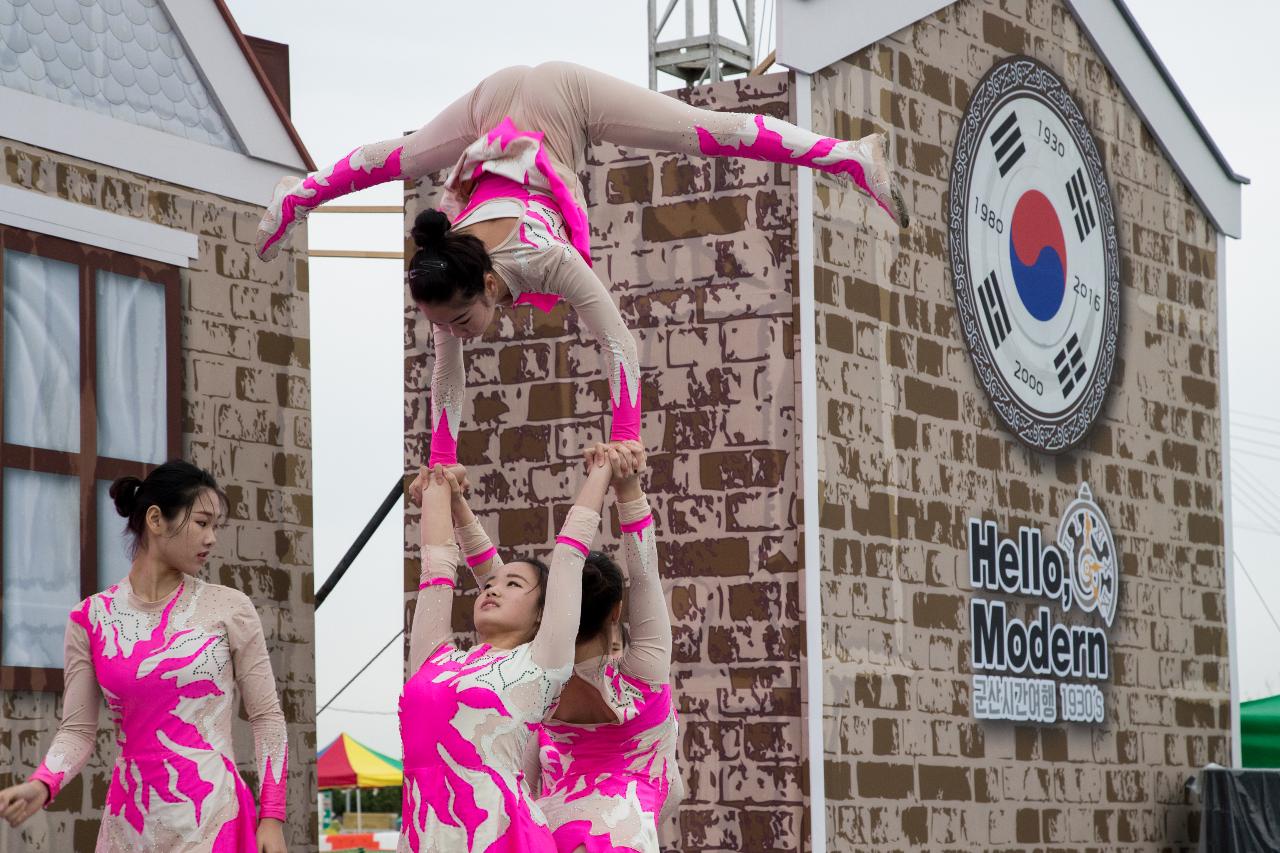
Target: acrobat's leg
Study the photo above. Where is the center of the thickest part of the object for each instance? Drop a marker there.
(619, 112)
(436, 145)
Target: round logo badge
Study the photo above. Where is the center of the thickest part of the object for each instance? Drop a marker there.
(1085, 535)
(1033, 252)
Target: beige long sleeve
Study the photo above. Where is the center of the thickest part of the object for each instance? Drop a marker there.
(81, 698)
(482, 558)
(448, 388)
(575, 282)
(257, 683)
(553, 647)
(648, 652)
(433, 613)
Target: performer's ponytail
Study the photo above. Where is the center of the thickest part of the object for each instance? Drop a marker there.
(602, 585)
(447, 265)
(173, 487)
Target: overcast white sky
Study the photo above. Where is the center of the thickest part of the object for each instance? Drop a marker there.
(370, 70)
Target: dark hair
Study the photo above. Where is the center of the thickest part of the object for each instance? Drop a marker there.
(173, 487)
(601, 591)
(447, 265)
(543, 573)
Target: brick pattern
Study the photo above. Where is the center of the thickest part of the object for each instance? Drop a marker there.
(699, 256)
(911, 447)
(245, 417)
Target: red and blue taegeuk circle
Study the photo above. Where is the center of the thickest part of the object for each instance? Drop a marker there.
(1038, 255)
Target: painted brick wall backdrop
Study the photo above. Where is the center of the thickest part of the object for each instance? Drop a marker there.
(911, 448)
(246, 416)
(699, 255)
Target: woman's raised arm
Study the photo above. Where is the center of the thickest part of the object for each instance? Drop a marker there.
(553, 647)
(648, 652)
(433, 614)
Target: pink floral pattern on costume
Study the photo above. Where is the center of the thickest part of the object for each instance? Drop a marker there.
(774, 141)
(464, 721)
(168, 674)
(519, 156)
(605, 787)
(608, 786)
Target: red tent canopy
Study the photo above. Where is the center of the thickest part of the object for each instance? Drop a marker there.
(347, 763)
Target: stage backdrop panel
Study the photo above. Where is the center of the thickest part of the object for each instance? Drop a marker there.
(699, 256)
(911, 449)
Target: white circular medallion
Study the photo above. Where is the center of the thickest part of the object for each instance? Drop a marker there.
(1033, 254)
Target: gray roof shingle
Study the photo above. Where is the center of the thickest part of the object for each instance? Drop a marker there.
(121, 58)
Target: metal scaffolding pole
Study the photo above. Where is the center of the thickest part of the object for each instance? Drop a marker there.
(702, 57)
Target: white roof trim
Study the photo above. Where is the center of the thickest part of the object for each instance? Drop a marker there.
(213, 49)
(81, 223)
(1153, 94)
(812, 34)
(124, 145)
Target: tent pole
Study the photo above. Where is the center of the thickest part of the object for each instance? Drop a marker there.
(359, 814)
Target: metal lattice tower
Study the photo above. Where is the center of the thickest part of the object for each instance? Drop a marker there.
(704, 57)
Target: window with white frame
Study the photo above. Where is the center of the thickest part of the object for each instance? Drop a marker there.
(92, 384)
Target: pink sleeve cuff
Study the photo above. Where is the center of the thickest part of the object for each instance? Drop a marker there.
(272, 792)
(51, 780)
(626, 413)
(438, 582)
(271, 812)
(439, 565)
(573, 543)
(579, 529)
(634, 515)
(444, 444)
(636, 526)
(474, 542)
(474, 560)
(446, 456)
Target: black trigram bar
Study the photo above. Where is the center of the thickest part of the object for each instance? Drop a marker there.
(1008, 143)
(997, 316)
(1070, 364)
(1081, 204)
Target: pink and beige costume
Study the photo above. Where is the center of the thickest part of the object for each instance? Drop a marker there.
(606, 787)
(516, 144)
(465, 714)
(168, 671)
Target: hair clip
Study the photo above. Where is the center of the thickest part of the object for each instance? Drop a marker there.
(425, 266)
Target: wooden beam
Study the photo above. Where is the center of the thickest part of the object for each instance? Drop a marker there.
(349, 253)
(359, 208)
(765, 65)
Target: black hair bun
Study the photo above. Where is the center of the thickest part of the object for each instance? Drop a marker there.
(429, 228)
(124, 492)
